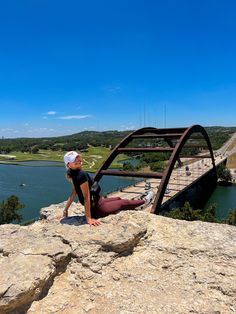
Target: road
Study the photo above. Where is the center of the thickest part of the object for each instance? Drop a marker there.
(180, 178)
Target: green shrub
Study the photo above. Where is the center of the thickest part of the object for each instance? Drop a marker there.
(8, 210)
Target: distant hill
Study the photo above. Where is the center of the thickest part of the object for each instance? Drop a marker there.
(77, 141)
(80, 141)
(219, 135)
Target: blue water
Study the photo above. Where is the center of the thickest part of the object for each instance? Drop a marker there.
(40, 163)
(224, 197)
(44, 185)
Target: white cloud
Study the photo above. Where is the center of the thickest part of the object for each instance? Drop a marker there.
(31, 132)
(6, 130)
(74, 117)
(51, 113)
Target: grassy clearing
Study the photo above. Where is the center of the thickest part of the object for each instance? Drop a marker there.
(93, 158)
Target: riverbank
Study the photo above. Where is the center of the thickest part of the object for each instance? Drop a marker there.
(93, 158)
(34, 163)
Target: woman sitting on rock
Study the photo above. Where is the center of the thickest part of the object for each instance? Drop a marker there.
(82, 185)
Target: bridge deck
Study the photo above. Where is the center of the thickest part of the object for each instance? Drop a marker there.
(178, 181)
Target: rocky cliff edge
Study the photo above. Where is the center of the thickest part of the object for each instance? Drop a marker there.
(134, 262)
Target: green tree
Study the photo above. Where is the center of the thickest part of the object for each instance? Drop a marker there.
(224, 173)
(231, 219)
(185, 213)
(34, 150)
(7, 150)
(157, 166)
(9, 208)
(127, 166)
(210, 214)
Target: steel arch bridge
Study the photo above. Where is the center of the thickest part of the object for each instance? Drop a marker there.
(176, 140)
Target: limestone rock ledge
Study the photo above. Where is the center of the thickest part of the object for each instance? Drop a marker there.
(134, 262)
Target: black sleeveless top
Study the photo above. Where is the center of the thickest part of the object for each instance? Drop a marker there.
(79, 177)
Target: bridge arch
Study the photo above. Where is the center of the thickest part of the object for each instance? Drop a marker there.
(180, 137)
(174, 157)
(117, 148)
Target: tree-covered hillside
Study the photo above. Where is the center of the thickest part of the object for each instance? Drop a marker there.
(219, 135)
(80, 141)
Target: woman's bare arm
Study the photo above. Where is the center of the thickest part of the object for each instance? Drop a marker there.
(69, 201)
(86, 193)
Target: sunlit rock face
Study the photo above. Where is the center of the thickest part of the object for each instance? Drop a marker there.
(134, 262)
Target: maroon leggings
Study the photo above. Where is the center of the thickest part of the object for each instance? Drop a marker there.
(113, 205)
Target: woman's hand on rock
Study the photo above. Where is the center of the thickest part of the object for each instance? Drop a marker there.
(93, 222)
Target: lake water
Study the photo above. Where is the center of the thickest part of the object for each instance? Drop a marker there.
(225, 199)
(44, 184)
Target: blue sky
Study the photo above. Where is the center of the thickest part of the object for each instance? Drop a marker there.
(69, 66)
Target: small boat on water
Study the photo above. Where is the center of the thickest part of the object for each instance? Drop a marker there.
(22, 184)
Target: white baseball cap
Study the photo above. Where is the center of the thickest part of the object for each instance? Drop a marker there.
(70, 157)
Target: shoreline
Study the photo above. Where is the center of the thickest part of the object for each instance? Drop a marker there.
(19, 163)
(60, 164)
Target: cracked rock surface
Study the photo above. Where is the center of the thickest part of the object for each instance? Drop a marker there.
(134, 262)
